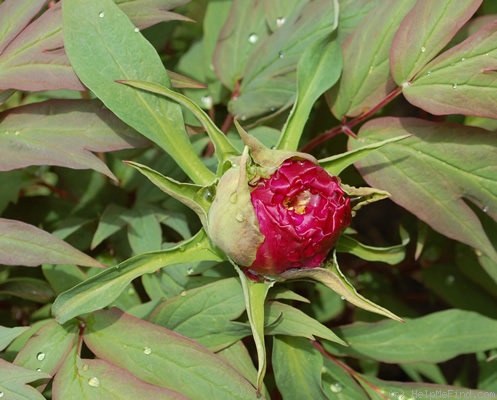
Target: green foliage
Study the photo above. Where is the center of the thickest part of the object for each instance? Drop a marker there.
(117, 120)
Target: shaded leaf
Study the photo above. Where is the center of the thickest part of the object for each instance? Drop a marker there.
(14, 379)
(100, 290)
(151, 350)
(28, 288)
(415, 43)
(366, 76)
(99, 379)
(433, 338)
(101, 26)
(204, 313)
(63, 133)
(145, 13)
(460, 80)
(434, 171)
(24, 244)
(297, 368)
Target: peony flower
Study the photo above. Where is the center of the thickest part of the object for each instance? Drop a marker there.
(301, 211)
(277, 211)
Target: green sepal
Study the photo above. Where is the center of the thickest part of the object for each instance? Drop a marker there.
(334, 165)
(224, 148)
(198, 198)
(362, 196)
(332, 277)
(255, 296)
(391, 255)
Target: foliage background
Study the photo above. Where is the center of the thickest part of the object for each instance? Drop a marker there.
(70, 206)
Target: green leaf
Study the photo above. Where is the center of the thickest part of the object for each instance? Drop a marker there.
(391, 255)
(204, 313)
(337, 163)
(224, 148)
(14, 380)
(431, 339)
(197, 197)
(144, 231)
(101, 26)
(317, 71)
(100, 290)
(432, 173)
(27, 288)
(366, 76)
(7, 335)
(297, 368)
(163, 358)
(255, 295)
(282, 319)
(335, 280)
(63, 133)
(24, 244)
(415, 44)
(460, 80)
(363, 196)
(339, 383)
(47, 349)
(87, 379)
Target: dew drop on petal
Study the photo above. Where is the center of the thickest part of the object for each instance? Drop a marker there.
(253, 38)
(280, 21)
(147, 350)
(101, 14)
(240, 217)
(94, 382)
(336, 387)
(233, 197)
(40, 356)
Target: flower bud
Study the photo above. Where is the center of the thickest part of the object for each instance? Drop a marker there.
(277, 211)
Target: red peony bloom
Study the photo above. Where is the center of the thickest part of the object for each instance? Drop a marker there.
(301, 211)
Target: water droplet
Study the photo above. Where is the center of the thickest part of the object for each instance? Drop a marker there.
(243, 117)
(485, 209)
(454, 86)
(207, 101)
(450, 279)
(336, 387)
(94, 382)
(136, 30)
(428, 73)
(371, 68)
(147, 350)
(240, 217)
(272, 108)
(342, 297)
(253, 38)
(281, 54)
(183, 293)
(463, 59)
(406, 84)
(189, 270)
(280, 21)
(181, 249)
(1, 394)
(208, 195)
(38, 369)
(423, 49)
(101, 14)
(85, 367)
(40, 356)
(478, 253)
(233, 198)
(131, 291)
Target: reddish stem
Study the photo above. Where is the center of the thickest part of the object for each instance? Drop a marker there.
(346, 127)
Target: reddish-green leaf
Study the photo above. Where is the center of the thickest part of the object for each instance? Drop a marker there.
(164, 358)
(63, 133)
(366, 76)
(28, 288)
(432, 173)
(14, 379)
(460, 80)
(24, 244)
(426, 30)
(86, 379)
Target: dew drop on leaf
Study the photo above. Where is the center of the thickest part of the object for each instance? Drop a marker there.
(85, 367)
(454, 86)
(206, 101)
(485, 209)
(94, 382)
(280, 21)
(423, 49)
(253, 38)
(189, 270)
(40, 356)
(1, 394)
(336, 387)
(208, 195)
(463, 59)
(342, 297)
(136, 30)
(101, 14)
(450, 279)
(147, 350)
(281, 54)
(183, 293)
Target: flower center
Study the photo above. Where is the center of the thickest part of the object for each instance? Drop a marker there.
(298, 203)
